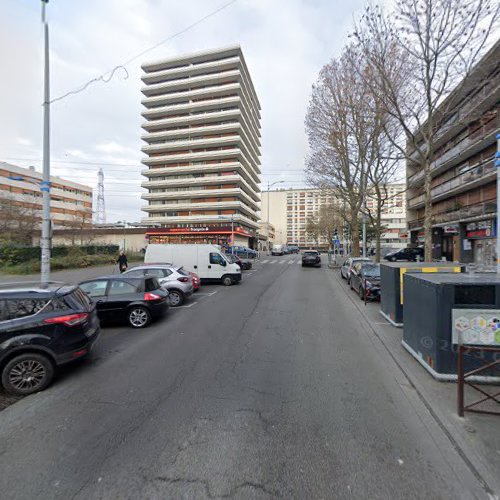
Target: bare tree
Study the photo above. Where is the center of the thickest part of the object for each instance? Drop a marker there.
(340, 132)
(324, 224)
(80, 227)
(19, 220)
(418, 55)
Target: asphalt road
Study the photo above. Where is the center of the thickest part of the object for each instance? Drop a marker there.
(270, 388)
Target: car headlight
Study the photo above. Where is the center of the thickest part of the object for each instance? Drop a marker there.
(369, 284)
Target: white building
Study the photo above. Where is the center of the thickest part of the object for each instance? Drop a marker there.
(203, 149)
(395, 234)
(289, 212)
(70, 202)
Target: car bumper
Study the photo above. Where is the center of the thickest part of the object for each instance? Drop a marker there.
(236, 277)
(159, 309)
(373, 294)
(82, 350)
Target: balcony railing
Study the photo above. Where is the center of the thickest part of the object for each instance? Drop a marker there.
(468, 142)
(463, 213)
(480, 172)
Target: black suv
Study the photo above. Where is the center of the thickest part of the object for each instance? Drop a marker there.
(311, 258)
(41, 327)
(408, 254)
(139, 299)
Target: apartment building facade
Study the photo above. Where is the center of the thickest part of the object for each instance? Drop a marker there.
(289, 212)
(70, 202)
(395, 233)
(464, 196)
(203, 149)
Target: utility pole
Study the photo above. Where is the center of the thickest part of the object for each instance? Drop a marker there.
(45, 240)
(497, 165)
(101, 210)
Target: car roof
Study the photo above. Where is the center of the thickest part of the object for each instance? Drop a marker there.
(35, 289)
(116, 277)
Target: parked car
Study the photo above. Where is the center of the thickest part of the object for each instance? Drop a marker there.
(244, 252)
(174, 279)
(196, 281)
(278, 250)
(245, 265)
(207, 261)
(365, 280)
(408, 254)
(139, 299)
(293, 249)
(346, 268)
(42, 327)
(311, 258)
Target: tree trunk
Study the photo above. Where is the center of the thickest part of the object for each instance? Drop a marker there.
(378, 234)
(354, 234)
(427, 213)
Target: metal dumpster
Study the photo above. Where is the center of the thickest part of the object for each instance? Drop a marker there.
(440, 307)
(391, 284)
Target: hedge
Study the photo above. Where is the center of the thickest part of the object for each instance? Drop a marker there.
(12, 255)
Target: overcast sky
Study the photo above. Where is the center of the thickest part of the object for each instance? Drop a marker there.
(285, 43)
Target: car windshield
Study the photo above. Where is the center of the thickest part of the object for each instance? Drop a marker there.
(371, 271)
(311, 253)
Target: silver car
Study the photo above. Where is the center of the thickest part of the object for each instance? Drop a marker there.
(345, 269)
(174, 279)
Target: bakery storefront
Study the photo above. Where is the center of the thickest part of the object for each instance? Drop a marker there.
(215, 235)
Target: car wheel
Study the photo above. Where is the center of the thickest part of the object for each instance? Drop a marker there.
(175, 298)
(361, 293)
(139, 317)
(227, 280)
(27, 373)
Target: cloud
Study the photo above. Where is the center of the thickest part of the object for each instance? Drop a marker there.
(285, 43)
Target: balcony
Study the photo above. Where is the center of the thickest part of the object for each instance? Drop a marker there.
(475, 177)
(461, 214)
(217, 155)
(473, 143)
(203, 193)
(193, 219)
(201, 183)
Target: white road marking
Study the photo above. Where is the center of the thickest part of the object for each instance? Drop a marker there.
(265, 261)
(190, 305)
(273, 262)
(282, 261)
(291, 262)
(198, 294)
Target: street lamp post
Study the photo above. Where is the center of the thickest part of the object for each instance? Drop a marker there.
(45, 184)
(232, 234)
(269, 186)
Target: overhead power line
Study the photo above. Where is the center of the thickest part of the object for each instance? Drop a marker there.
(108, 75)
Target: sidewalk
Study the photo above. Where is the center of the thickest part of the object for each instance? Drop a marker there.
(67, 275)
(476, 436)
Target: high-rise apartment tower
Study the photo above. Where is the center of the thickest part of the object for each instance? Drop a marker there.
(203, 149)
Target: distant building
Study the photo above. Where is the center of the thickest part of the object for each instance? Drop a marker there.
(266, 235)
(70, 202)
(203, 149)
(464, 190)
(395, 233)
(289, 212)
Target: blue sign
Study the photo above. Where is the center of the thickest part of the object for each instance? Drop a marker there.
(336, 242)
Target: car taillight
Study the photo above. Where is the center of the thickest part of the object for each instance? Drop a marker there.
(183, 279)
(151, 296)
(68, 320)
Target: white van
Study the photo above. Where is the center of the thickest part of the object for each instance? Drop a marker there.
(207, 261)
(278, 250)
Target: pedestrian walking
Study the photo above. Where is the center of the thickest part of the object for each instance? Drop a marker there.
(122, 261)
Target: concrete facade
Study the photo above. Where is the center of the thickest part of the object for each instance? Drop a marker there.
(464, 196)
(70, 203)
(203, 149)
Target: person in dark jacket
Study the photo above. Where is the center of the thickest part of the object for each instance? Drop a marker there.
(122, 261)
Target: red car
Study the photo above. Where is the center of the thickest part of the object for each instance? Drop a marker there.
(196, 280)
